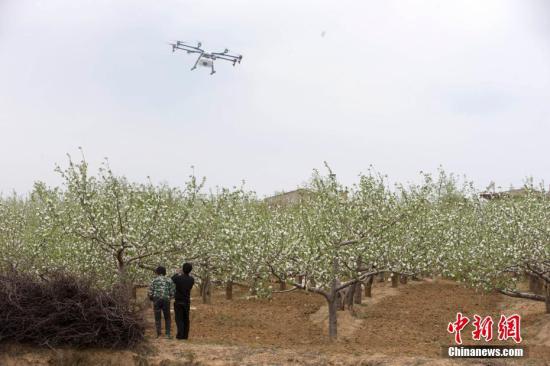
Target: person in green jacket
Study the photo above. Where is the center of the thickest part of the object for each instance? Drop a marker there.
(161, 290)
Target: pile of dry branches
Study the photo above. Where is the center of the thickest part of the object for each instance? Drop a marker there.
(65, 311)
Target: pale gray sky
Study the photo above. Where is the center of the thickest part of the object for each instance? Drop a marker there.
(403, 85)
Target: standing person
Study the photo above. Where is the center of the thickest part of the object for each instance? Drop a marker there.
(161, 290)
(182, 303)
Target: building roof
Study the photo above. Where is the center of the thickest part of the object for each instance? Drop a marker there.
(288, 197)
(510, 193)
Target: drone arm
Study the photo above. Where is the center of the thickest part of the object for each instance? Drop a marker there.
(225, 54)
(182, 46)
(227, 57)
(192, 50)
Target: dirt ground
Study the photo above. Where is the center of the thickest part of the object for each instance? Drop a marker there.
(403, 326)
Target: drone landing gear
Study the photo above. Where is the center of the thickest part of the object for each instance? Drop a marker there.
(213, 71)
(196, 62)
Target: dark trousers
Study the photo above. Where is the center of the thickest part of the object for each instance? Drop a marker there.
(181, 311)
(162, 306)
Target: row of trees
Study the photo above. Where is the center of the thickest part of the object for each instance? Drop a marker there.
(330, 241)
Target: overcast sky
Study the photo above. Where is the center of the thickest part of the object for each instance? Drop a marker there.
(402, 85)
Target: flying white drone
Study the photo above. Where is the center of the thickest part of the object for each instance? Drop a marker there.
(206, 59)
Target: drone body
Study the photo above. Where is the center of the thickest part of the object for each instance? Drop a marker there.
(206, 59)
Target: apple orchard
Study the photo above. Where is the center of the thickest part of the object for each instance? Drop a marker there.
(333, 241)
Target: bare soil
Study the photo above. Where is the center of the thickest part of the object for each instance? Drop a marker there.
(403, 326)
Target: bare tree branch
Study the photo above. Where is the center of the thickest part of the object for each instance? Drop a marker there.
(521, 295)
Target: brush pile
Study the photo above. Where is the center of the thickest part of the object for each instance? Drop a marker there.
(65, 310)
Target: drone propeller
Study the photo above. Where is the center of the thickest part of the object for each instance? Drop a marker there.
(173, 46)
(237, 60)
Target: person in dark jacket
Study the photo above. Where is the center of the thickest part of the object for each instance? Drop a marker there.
(182, 300)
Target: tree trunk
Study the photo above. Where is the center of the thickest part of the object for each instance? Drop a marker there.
(535, 285)
(358, 293)
(368, 286)
(381, 277)
(403, 279)
(340, 300)
(532, 283)
(540, 286)
(547, 285)
(394, 279)
(254, 287)
(282, 285)
(350, 294)
(229, 290)
(124, 285)
(333, 300)
(332, 318)
(205, 291)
